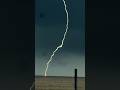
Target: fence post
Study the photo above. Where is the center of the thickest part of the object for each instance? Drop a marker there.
(75, 79)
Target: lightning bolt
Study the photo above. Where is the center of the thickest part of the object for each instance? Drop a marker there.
(60, 46)
(62, 43)
(32, 85)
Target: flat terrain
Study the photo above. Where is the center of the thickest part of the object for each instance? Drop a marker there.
(58, 83)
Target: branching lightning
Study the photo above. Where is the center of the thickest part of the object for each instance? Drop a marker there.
(62, 43)
(32, 85)
(60, 46)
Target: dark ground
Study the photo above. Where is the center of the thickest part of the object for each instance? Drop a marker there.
(58, 83)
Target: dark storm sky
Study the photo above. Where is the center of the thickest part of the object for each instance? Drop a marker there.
(50, 27)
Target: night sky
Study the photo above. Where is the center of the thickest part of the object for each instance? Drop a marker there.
(49, 29)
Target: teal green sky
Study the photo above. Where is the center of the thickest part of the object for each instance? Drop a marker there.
(49, 29)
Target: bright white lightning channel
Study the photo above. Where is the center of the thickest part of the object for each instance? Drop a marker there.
(60, 46)
(62, 43)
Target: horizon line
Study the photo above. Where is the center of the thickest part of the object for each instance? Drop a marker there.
(56, 76)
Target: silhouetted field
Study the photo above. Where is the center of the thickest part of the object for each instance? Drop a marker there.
(58, 83)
